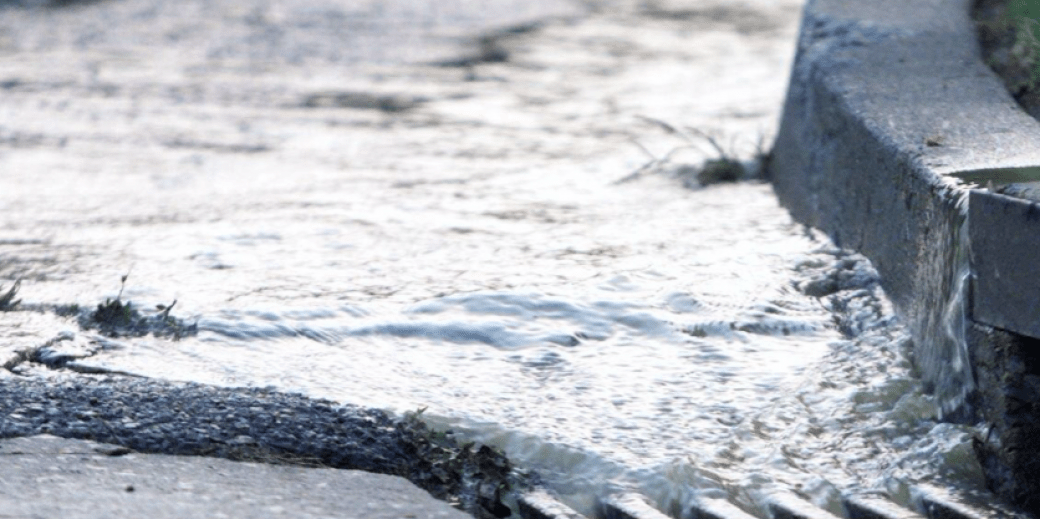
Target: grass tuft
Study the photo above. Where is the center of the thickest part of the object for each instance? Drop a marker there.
(118, 318)
(7, 300)
(725, 167)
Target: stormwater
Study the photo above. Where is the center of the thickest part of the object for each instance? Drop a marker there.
(456, 238)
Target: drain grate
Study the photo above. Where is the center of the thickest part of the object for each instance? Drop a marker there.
(787, 506)
(932, 502)
(628, 506)
(540, 505)
(865, 507)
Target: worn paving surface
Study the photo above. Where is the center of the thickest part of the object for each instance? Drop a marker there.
(47, 476)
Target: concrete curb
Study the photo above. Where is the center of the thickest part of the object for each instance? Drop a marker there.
(889, 113)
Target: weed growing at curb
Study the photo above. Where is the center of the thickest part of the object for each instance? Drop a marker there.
(118, 318)
(724, 168)
(7, 300)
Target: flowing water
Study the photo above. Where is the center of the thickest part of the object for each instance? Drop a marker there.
(348, 221)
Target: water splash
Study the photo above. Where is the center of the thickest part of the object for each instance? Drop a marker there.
(941, 354)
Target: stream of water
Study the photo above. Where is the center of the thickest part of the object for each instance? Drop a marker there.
(468, 251)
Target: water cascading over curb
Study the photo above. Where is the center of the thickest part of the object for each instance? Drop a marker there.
(899, 142)
(941, 352)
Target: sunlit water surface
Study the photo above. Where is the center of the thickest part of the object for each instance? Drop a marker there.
(476, 258)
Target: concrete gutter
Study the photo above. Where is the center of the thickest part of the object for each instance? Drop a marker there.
(899, 142)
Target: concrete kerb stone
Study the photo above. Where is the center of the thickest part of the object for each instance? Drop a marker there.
(1003, 258)
(889, 113)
